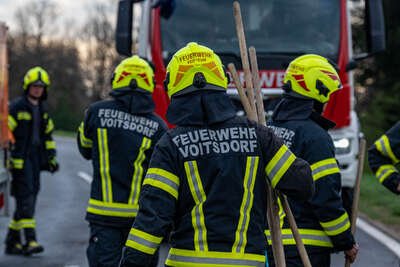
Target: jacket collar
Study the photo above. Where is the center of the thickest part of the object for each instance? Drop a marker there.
(136, 102)
(200, 109)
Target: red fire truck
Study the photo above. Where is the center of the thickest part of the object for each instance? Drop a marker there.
(280, 30)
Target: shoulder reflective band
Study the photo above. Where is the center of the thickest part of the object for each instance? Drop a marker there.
(85, 142)
(190, 258)
(163, 180)
(324, 167)
(104, 163)
(23, 115)
(12, 123)
(112, 209)
(143, 241)
(247, 203)
(309, 237)
(383, 146)
(17, 163)
(138, 171)
(384, 172)
(199, 196)
(50, 126)
(50, 145)
(337, 226)
(279, 164)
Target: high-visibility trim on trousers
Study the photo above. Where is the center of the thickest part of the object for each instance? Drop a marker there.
(12, 123)
(50, 144)
(85, 141)
(22, 224)
(279, 164)
(383, 146)
(190, 258)
(247, 203)
(143, 241)
(112, 209)
(138, 171)
(199, 196)
(384, 172)
(104, 163)
(309, 237)
(17, 163)
(163, 180)
(336, 226)
(324, 167)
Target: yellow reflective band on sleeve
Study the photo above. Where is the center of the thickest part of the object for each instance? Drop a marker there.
(50, 126)
(190, 258)
(50, 145)
(383, 146)
(27, 223)
(309, 237)
(247, 203)
(384, 172)
(17, 163)
(138, 171)
(143, 241)
(199, 196)
(12, 123)
(84, 141)
(163, 180)
(336, 226)
(23, 115)
(324, 167)
(112, 209)
(104, 163)
(279, 164)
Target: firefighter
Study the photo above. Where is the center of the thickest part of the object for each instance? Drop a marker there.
(206, 184)
(324, 224)
(34, 150)
(119, 136)
(383, 155)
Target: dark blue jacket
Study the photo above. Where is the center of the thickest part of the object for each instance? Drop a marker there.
(383, 155)
(206, 186)
(119, 136)
(322, 220)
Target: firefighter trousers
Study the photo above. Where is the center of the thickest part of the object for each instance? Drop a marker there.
(317, 259)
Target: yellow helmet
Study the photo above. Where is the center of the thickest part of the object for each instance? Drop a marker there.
(133, 73)
(312, 76)
(195, 67)
(36, 76)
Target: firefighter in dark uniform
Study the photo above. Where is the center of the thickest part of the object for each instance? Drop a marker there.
(206, 184)
(33, 151)
(118, 135)
(383, 155)
(323, 223)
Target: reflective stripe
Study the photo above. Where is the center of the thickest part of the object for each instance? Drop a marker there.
(384, 172)
(17, 163)
(104, 165)
(50, 126)
(112, 209)
(190, 258)
(279, 164)
(337, 226)
(138, 171)
(27, 223)
(324, 167)
(247, 203)
(383, 146)
(143, 241)
(50, 145)
(199, 196)
(23, 115)
(14, 225)
(85, 142)
(12, 123)
(309, 237)
(163, 180)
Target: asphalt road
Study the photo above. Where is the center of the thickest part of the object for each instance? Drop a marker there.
(64, 232)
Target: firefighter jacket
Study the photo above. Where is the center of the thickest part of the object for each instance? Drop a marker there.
(322, 220)
(20, 123)
(383, 155)
(118, 135)
(206, 184)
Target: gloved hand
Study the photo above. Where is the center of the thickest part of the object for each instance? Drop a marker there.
(53, 165)
(167, 7)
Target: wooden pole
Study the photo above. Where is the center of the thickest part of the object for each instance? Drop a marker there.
(357, 188)
(256, 84)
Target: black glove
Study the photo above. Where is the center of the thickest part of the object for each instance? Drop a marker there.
(167, 7)
(53, 165)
